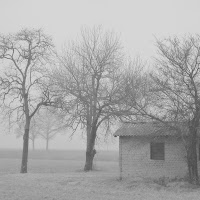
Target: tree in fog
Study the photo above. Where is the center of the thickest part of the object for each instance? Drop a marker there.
(49, 125)
(24, 84)
(172, 94)
(179, 81)
(33, 131)
(88, 77)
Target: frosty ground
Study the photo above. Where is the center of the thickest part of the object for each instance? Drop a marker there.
(58, 178)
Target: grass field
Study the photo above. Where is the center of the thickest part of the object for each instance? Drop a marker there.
(56, 161)
(58, 175)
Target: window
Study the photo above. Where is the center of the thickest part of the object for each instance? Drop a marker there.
(157, 151)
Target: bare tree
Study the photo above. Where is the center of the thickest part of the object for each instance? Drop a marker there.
(24, 84)
(179, 65)
(49, 125)
(33, 131)
(172, 95)
(89, 80)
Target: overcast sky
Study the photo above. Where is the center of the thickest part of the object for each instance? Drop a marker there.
(136, 21)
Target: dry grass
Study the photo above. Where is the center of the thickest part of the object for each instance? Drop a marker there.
(64, 179)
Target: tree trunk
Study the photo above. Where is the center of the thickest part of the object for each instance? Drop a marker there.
(90, 151)
(192, 157)
(25, 148)
(47, 144)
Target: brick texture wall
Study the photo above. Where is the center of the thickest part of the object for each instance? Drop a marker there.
(134, 158)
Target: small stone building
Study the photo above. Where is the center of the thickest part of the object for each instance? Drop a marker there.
(149, 150)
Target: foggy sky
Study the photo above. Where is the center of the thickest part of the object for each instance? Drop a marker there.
(137, 22)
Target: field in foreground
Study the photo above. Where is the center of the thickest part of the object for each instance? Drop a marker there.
(64, 179)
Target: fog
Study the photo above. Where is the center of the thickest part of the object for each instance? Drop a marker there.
(61, 142)
(136, 22)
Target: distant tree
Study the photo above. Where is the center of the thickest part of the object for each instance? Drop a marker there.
(33, 132)
(24, 85)
(49, 125)
(88, 78)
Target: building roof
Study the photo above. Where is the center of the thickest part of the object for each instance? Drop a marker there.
(145, 129)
